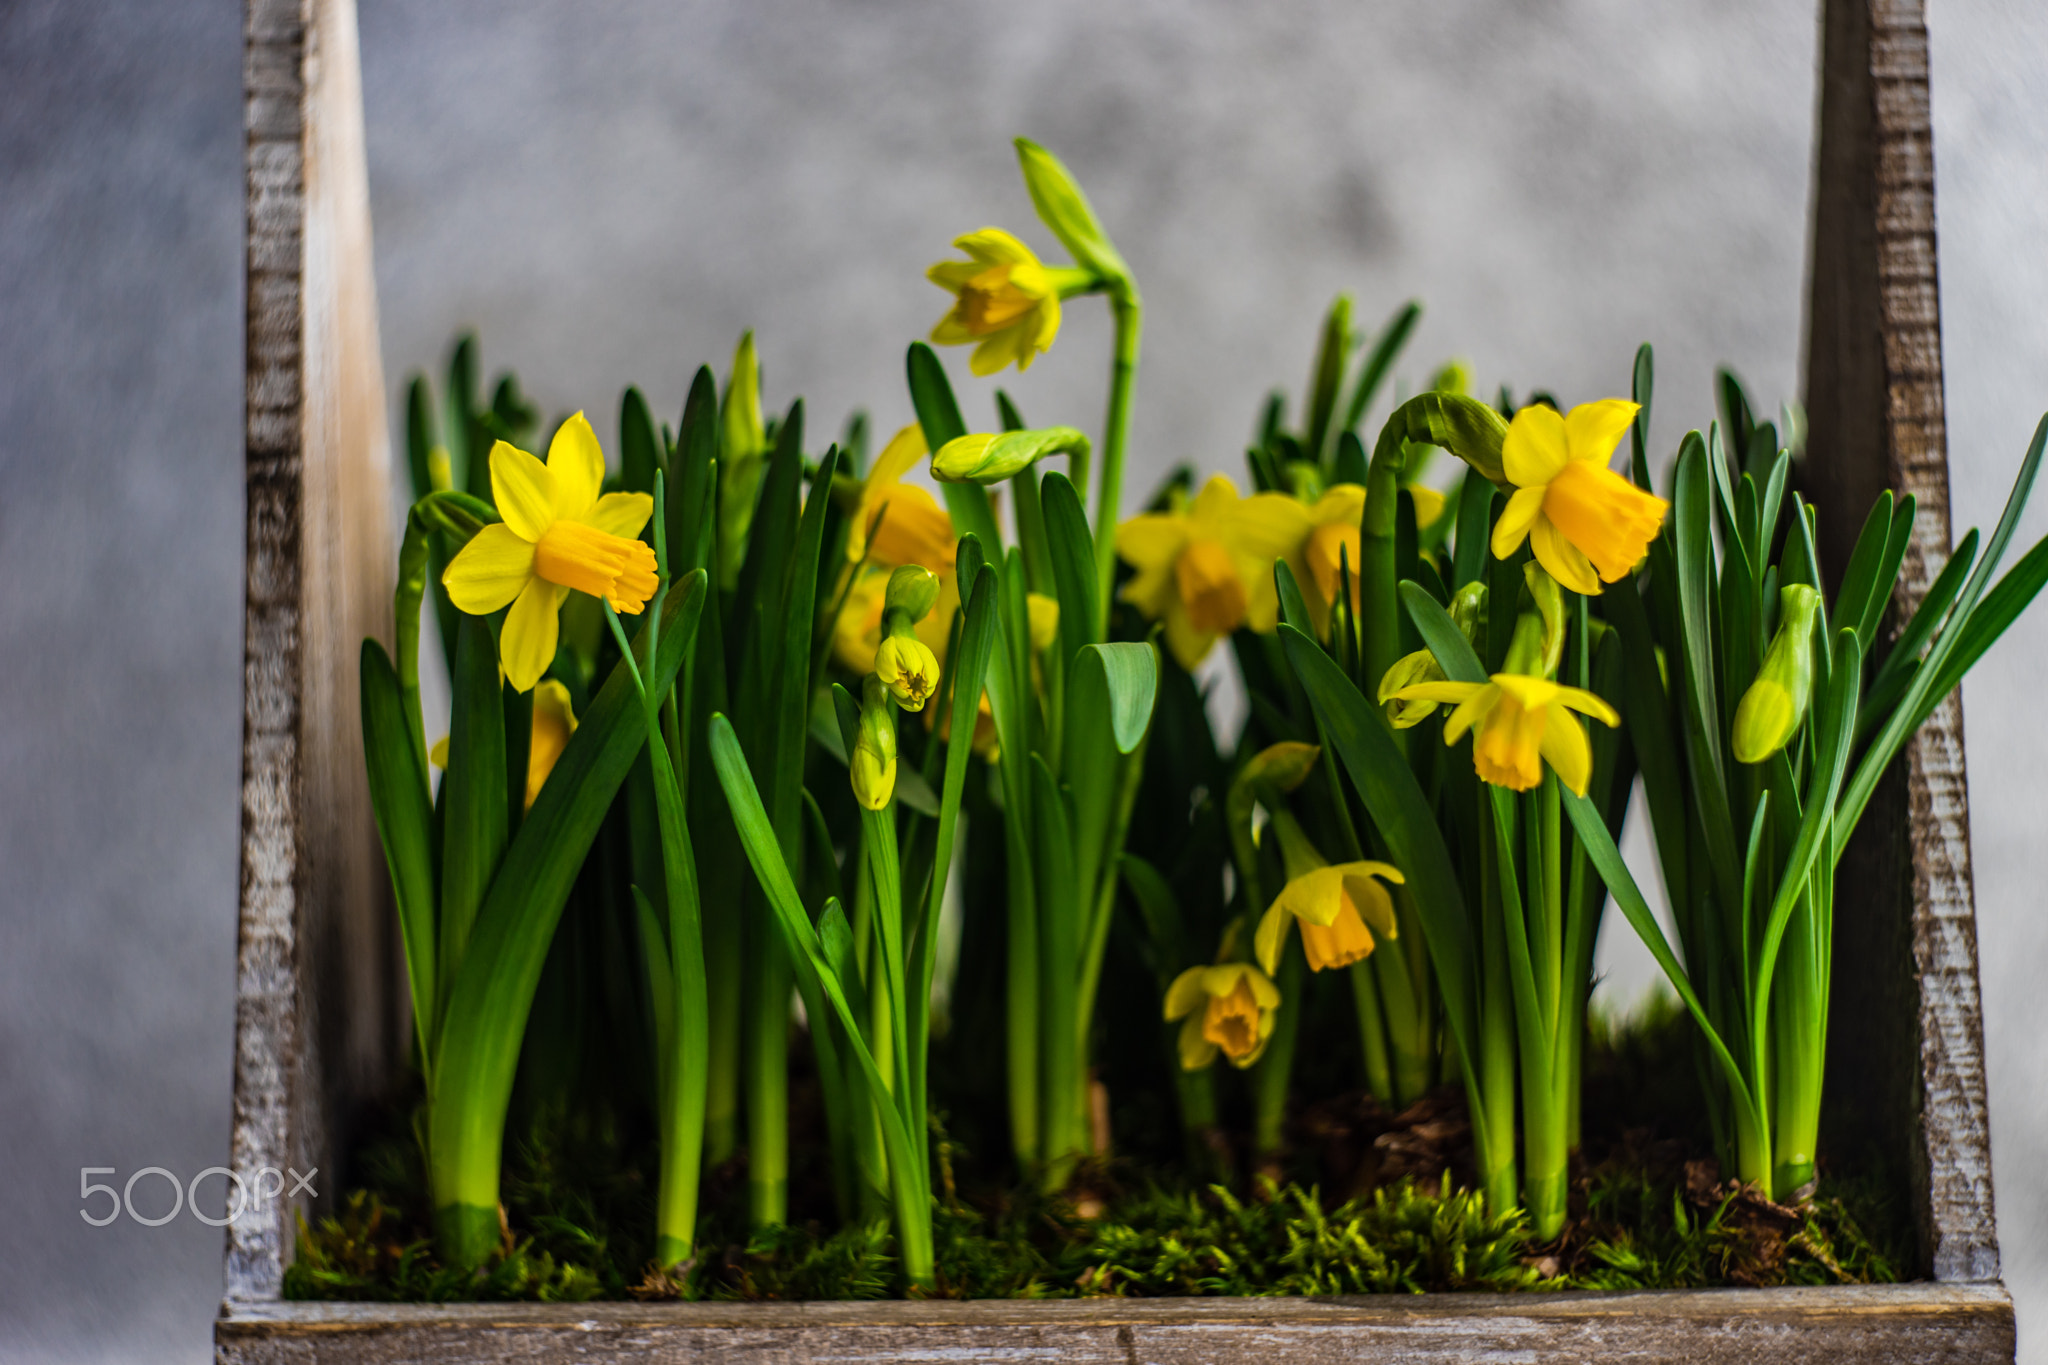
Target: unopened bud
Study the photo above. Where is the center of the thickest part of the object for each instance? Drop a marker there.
(1775, 704)
(982, 457)
(1549, 600)
(1408, 670)
(872, 764)
(912, 590)
(908, 669)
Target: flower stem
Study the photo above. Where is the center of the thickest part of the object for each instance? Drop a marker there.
(1128, 312)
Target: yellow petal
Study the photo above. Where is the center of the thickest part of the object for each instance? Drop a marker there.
(1437, 691)
(953, 275)
(1593, 430)
(991, 355)
(1047, 329)
(1314, 896)
(1188, 643)
(524, 490)
(1152, 539)
(1523, 508)
(1565, 748)
(1186, 994)
(526, 646)
(1215, 501)
(577, 462)
(620, 514)
(1535, 448)
(438, 755)
(1470, 711)
(1196, 1051)
(951, 331)
(993, 246)
(1367, 867)
(1373, 904)
(1221, 979)
(1566, 563)
(1272, 936)
(1343, 504)
(1579, 699)
(904, 450)
(1429, 505)
(490, 570)
(1526, 690)
(1263, 991)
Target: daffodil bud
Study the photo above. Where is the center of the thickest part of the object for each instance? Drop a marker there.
(873, 761)
(440, 474)
(1466, 427)
(740, 418)
(913, 590)
(1454, 377)
(1775, 704)
(1526, 647)
(1408, 670)
(908, 669)
(984, 458)
(1064, 209)
(1468, 610)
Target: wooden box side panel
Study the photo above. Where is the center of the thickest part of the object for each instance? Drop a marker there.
(319, 1023)
(1906, 1059)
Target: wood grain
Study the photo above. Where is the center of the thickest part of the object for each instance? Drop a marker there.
(1905, 1324)
(317, 1022)
(1906, 1062)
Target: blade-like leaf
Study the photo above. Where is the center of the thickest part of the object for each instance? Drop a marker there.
(931, 396)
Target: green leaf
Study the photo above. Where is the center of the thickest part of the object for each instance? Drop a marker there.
(1641, 385)
(398, 797)
(1406, 821)
(1007, 414)
(1859, 579)
(1128, 674)
(1887, 573)
(1441, 636)
(931, 396)
(419, 436)
(485, 1015)
(692, 501)
(1999, 609)
(1621, 885)
(1073, 563)
(1331, 354)
(639, 444)
(476, 822)
(1386, 348)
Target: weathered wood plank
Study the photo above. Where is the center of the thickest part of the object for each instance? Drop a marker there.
(1892, 1323)
(317, 1021)
(1906, 1062)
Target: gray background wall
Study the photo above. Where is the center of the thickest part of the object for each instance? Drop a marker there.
(611, 192)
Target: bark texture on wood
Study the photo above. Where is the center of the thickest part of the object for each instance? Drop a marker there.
(1906, 1061)
(1897, 1324)
(317, 1023)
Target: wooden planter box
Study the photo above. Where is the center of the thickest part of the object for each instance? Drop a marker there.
(321, 1027)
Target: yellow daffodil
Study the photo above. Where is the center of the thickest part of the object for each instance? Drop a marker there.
(1229, 1007)
(1005, 300)
(1334, 905)
(557, 534)
(1043, 615)
(1521, 721)
(1586, 523)
(913, 528)
(554, 720)
(1333, 542)
(909, 669)
(1208, 570)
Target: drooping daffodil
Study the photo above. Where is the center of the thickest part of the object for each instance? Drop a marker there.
(1206, 570)
(1522, 722)
(1006, 300)
(1334, 905)
(1585, 523)
(557, 534)
(906, 523)
(554, 720)
(1229, 1007)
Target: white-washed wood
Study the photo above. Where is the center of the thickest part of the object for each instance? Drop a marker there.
(1895, 1324)
(317, 1027)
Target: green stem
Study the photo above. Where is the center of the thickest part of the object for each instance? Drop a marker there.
(1276, 1067)
(1372, 1032)
(1128, 312)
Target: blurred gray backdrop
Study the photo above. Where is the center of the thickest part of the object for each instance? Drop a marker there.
(609, 192)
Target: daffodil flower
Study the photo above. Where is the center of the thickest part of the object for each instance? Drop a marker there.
(900, 523)
(1522, 722)
(1005, 299)
(554, 720)
(1333, 905)
(1228, 1007)
(1208, 570)
(1586, 523)
(557, 534)
(857, 630)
